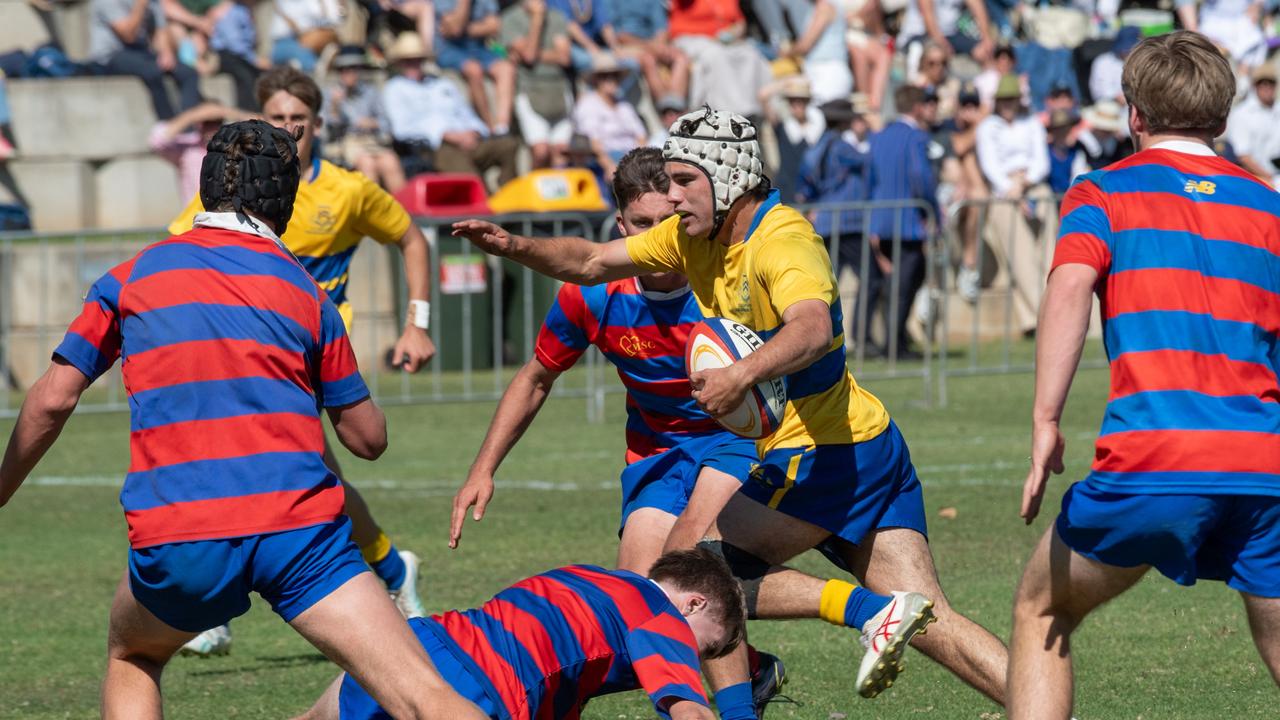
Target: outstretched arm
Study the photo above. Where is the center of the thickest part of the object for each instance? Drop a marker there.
(1064, 320)
(44, 411)
(569, 259)
(518, 407)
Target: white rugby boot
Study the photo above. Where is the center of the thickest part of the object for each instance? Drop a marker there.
(406, 596)
(885, 636)
(214, 641)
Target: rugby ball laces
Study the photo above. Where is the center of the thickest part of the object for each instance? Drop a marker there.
(717, 343)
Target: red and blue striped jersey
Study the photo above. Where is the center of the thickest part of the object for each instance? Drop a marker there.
(1187, 248)
(644, 338)
(228, 349)
(544, 646)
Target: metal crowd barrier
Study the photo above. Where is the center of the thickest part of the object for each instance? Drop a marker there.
(487, 311)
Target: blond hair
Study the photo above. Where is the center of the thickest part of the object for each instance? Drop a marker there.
(1179, 82)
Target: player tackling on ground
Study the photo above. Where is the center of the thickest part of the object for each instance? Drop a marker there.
(229, 351)
(1183, 249)
(336, 209)
(837, 466)
(545, 646)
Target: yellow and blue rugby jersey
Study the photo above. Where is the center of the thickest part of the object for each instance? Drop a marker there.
(333, 211)
(781, 262)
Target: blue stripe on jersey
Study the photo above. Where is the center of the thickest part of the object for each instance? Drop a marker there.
(1232, 190)
(569, 334)
(665, 367)
(225, 478)
(686, 408)
(1086, 218)
(1189, 410)
(204, 321)
(514, 652)
(568, 650)
(328, 268)
(228, 260)
(83, 355)
(1248, 481)
(821, 375)
(1181, 330)
(214, 399)
(669, 650)
(1160, 249)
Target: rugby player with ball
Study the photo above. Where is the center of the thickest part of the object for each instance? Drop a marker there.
(836, 469)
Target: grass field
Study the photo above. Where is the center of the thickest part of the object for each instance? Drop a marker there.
(1159, 652)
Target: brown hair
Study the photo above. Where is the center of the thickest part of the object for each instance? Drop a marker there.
(291, 80)
(702, 571)
(640, 171)
(907, 97)
(1179, 82)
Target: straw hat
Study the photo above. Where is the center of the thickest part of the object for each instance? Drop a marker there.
(407, 46)
(1105, 115)
(796, 87)
(605, 64)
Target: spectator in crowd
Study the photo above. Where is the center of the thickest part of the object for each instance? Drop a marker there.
(933, 75)
(900, 171)
(1067, 156)
(869, 53)
(463, 31)
(357, 124)
(640, 35)
(611, 124)
(939, 21)
(190, 24)
(182, 140)
(1054, 31)
(1004, 61)
(422, 13)
(1060, 97)
(235, 43)
(127, 37)
(1104, 77)
(1107, 137)
(796, 127)
(590, 31)
(669, 109)
(820, 48)
(1254, 127)
(968, 189)
(1013, 152)
(1235, 25)
(836, 170)
(302, 29)
(431, 118)
(728, 71)
(536, 38)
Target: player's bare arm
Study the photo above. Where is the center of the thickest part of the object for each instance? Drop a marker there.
(569, 259)
(44, 411)
(1064, 320)
(415, 348)
(517, 408)
(688, 710)
(361, 428)
(804, 338)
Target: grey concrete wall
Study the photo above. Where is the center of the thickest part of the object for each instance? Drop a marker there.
(82, 118)
(136, 192)
(60, 193)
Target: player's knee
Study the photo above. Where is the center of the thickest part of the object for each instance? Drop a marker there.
(748, 569)
(471, 70)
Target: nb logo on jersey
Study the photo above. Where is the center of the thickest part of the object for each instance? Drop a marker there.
(1204, 187)
(634, 346)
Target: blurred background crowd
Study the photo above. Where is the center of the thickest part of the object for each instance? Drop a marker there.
(968, 114)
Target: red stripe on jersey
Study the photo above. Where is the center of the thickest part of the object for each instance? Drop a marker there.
(577, 612)
(476, 645)
(674, 388)
(93, 324)
(256, 514)
(590, 679)
(1177, 213)
(649, 341)
(631, 604)
(675, 629)
(206, 237)
(1081, 195)
(659, 672)
(338, 360)
(223, 438)
(1216, 375)
(167, 288)
(1187, 451)
(641, 445)
(574, 307)
(672, 423)
(1082, 248)
(1133, 291)
(204, 360)
(528, 629)
(552, 353)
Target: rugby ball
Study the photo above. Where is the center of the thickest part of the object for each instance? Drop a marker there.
(719, 343)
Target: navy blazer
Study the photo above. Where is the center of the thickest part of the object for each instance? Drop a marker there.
(900, 170)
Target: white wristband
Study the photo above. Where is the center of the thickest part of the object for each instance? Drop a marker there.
(420, 314)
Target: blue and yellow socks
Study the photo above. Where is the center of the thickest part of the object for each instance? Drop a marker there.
(385, 561)
(850, 605)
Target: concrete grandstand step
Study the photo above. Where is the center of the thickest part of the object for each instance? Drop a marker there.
(21, 27)
(136, 192)
(60, 193)
(81, 118)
